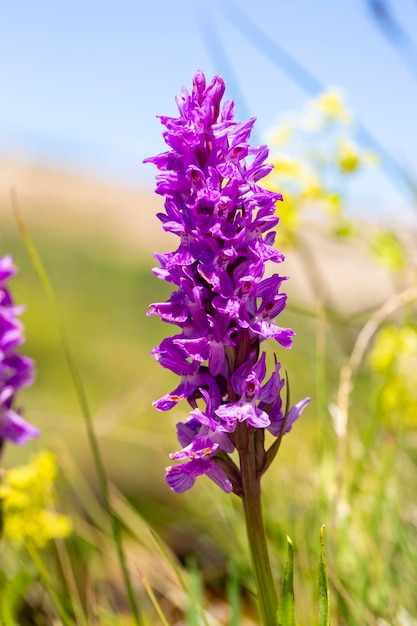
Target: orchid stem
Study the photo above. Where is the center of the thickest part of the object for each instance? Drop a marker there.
(267, 598)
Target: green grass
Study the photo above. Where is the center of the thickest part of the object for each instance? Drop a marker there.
(103, 295)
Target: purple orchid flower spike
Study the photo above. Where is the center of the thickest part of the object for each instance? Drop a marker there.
(16, 371)
(224, 306)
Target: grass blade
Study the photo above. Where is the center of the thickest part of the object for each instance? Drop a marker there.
(324, 593)
(286, 608)
(82, 399)
(152, 597)
(233, 594)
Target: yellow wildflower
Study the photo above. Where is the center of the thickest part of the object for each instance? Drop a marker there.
(394, 360)
(389, 250)
(319, 151)
(348, 157)
(28, 497)
(331, 104)
(286, 166)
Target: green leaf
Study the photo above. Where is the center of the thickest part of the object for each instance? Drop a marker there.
(234, 593)
(286, 609)
(324, 594)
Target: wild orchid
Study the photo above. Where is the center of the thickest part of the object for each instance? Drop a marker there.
(225, 306)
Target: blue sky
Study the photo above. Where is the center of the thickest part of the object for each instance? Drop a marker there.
(82, 81)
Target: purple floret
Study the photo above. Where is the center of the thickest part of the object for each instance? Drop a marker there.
(16, 371)
(224, 306)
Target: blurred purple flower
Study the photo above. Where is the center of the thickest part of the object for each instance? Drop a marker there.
(16, 371)
(223, 304)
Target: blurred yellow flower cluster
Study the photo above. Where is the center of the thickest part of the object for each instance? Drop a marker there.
(389, 250)
(27, 497)
(331, 104)
(311, 153)
(394, 359)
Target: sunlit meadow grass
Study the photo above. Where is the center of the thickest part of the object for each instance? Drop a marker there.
(371, 543)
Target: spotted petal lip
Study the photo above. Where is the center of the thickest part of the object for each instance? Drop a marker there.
(199, 448)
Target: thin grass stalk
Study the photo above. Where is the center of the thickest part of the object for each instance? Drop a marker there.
(233, 594)
(195, 594)
(6, 615)
(347, 376)
(83, 402)
(346, 383)
(368, 438)
(83, 491)
(321, 380)
(43, 573)
(152, 597)
(387, 467)
(69, 578)
(186, 586)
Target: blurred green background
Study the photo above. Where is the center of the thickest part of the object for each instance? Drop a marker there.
(75, 125)
(103, 285)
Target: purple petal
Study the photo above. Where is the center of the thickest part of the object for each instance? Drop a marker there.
(218, 476)
(198, 348)
(241, 412)
(197, 449)
(269, 330)
(167, 402)
(14, 428)
(7, 268)
(293, 414)
(182, 477)
(272, 388)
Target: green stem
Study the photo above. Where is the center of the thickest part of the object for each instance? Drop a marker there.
(255, 529)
